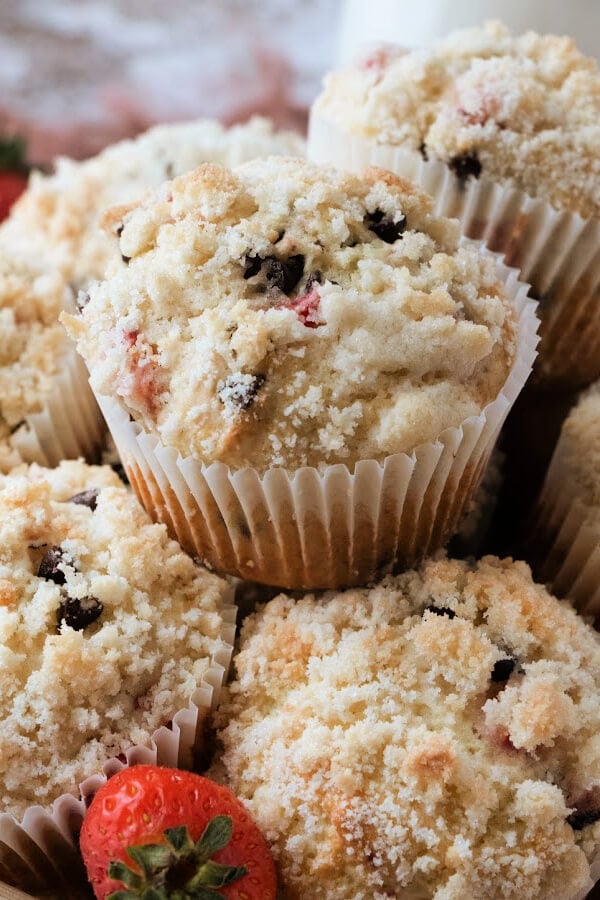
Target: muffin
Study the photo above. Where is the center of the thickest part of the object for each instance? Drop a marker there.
(52, 246)
(108, 629)
(47, 410)
(505, 132)
(435, 736)
(277, 320)
(565, 533)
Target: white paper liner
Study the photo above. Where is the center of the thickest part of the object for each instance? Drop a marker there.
(558, 252)
(565, 540)
(70, 424)
(40, 852)
(323, 529)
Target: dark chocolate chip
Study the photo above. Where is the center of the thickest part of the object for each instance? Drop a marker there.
(78, 614)
(126, 259)
(86, 498)
(384, 226)
(503, 669)
(16, 427)
(441, 611)
(119, 230)
(240, 391)
(578, 820)
(284, 274)
(465, 165)
(423, 151)
(314, 278)
(252, 266)
(49, 563)
(279, 274)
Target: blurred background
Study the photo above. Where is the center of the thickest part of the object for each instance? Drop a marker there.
(78, 74)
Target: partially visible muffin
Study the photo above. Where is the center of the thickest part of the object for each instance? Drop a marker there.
(287, 314)
(436, 734)
(106, 628)
(564, 535)
(518, 109)
(34, 348)
(58, 217)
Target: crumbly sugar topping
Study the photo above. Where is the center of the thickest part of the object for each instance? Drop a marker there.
(285, 314)
(522, 110)
(436, 734)
(106, 628)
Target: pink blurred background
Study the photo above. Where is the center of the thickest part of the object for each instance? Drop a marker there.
(78, 74)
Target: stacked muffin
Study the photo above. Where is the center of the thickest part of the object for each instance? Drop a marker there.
(305, 368)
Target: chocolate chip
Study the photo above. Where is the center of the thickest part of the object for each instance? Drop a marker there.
(284, 274)
(240, 390)
(79, 613)
(126, 259)
(384, 226)
(49, 563)
(464, 165)
(86, 498)
(15, 428)
(441, 611)
(252, 266)
(578, 820)
(279, 274)
(119, 230)
(314, 278)
(423, 151)
(503, 669)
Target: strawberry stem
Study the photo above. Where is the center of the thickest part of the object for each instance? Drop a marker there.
(178, 869)
(12, 155)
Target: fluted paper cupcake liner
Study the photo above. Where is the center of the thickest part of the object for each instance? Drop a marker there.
(326, 528)
(558, 252)
(70, 423)
(565, 541)
(39, 853)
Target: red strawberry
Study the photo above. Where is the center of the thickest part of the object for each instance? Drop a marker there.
(13, 174)
(165, 834)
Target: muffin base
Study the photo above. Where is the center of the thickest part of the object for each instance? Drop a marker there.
(557, 252)
(329, 528)
(40, 852)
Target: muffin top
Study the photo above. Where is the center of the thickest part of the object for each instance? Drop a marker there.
(32, 344)
(522, 110)
(284, 313)
(579, 450)
(58, 218)
(438, 732)
(106, 627)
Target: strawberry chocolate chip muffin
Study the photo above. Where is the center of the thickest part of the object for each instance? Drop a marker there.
(107, 629)
(505, 131)
(435, 736)
(285, 315)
